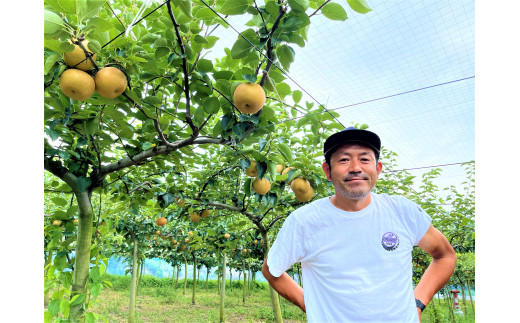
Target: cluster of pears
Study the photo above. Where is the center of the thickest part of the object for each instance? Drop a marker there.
(301, 187)
(77, 84)
(195, 217)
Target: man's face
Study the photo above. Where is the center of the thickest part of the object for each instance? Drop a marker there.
(353, 170)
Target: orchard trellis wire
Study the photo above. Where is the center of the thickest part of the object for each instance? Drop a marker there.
(326, 110)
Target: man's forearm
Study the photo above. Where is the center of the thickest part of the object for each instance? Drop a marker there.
(286, 287)
(435, 277)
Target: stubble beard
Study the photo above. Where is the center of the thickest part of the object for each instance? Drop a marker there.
(352, 193)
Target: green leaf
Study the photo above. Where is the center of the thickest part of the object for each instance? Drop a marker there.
(239, 129)
(286, 152)
(137, 59)
(91, 126)
(247, 186)
(217, 129)
(165, 199)
(83, 183)
(65, 46)
(271, 167)
(94, 274)
(95, 289)
(223, 75)
(56, 6)
(146, 145)
(198, 116)
(52, 44)
(297, 96)
(250, 77)
(59, 201)
(334, 11)
(150, 38)
(94, 46)
(87, 9)
(285, 55)
(60, 215)
(359, 6)
(211, 105)
(283, 89)
(52, 22)
(77, 299)
(50, 61)
(204, 65)
(234, 7)
(261, 144)
(241, 48)
(90, 317)
(161, 52)
(261, 168)
(54, 307)
(210, 41)
(47, 317)
(68, 6)
(258, 156)
(245, 163)
(205, 13)
(124, 131)
(184, 5)
(292, 174)
(299, 5)
(64, 307)
(100, 25)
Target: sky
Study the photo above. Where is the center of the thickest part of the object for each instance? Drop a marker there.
(407, 69)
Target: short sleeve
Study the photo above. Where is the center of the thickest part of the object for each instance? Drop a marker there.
(288, 247)
(416, 219)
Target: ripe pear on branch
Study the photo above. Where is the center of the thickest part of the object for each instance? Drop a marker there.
(77, 84)
(204, 213)
(261, 186)
(161, 221)
(110, 82)
(252, 171)
(195, 217)
(249, 97)
(77, 57)
(302, 189)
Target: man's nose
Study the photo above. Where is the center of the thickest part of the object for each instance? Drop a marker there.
(354, 167)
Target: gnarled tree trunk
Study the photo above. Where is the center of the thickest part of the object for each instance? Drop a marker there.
(82, 257)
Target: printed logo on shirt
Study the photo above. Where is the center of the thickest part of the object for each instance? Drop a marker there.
(390, 241)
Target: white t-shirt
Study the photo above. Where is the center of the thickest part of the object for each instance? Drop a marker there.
(356, 266)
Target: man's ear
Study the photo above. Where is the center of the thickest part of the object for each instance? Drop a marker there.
(379, 167)
(326, 170)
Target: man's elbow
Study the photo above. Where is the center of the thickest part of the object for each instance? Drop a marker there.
(448, 257)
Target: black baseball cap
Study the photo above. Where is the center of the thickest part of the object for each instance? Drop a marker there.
(352, 134)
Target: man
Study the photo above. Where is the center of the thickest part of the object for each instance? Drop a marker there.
(355, 247)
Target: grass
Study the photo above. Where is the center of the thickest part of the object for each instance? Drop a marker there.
(159, 301)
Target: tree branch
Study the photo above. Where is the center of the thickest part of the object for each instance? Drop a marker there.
(274, 221)
(270, 46)
(57, 169)
(185, 71)
(319, 8)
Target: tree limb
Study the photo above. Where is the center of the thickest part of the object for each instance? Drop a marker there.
(185, 71)
(270, 46)
(57, 169)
